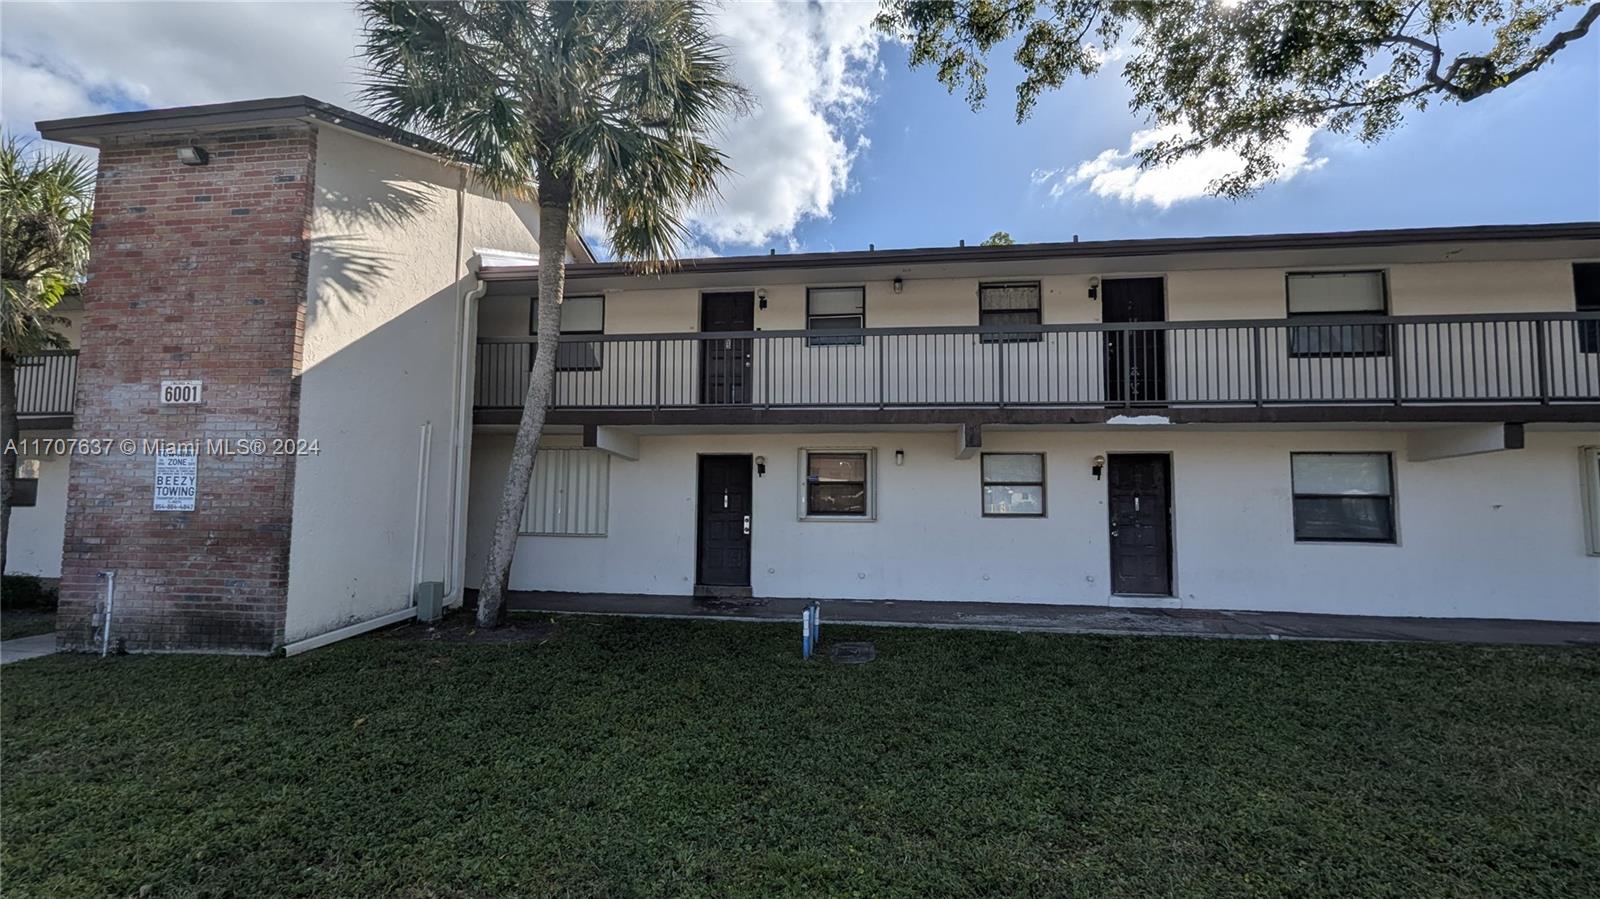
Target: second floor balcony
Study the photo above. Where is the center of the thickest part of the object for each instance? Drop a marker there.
(46, 385)
(1547, 365)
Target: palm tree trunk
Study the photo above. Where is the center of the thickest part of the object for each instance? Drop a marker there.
(553, 221)
(8, 464)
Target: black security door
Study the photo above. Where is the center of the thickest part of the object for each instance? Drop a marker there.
(1136, 361)
(724, 526)
(725, 362)
(1140, 495)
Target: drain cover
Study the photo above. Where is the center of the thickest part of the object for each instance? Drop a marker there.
(852, 653)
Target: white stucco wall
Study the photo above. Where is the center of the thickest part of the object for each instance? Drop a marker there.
(1498, 535)
(34, 543)
(391, 235)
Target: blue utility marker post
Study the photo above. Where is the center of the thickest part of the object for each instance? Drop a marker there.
(810, 629)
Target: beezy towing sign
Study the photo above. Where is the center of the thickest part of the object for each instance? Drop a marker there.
(176, 481)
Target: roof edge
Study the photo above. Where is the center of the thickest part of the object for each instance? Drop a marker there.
(1107, 248)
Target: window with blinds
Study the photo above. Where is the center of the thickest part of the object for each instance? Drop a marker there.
(569, 494)
(836, 308)
(1326, 294)
(1009, 304)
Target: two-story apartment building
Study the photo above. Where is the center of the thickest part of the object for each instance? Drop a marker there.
(46, 383)
(1378, 422)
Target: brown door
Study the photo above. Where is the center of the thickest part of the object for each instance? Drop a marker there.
(1140, 497)
(723, 555)
(725, 362)
(1136, 360)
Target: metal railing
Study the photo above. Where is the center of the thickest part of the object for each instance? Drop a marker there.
(46, 383)
(1502, 358)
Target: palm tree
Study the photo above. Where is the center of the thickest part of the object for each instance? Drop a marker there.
(45, 203)
(605, 108)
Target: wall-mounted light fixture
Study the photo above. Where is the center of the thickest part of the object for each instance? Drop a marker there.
(899, 457)
(1094, 287)
(193, 155)
(761, 298)
(1097, 465)
(899, 285)
(761, 466)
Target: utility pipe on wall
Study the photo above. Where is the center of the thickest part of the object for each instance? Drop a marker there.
(424, 450)
(105, 624)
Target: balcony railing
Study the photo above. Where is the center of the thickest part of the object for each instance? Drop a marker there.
(46, 383)
(1510, 358)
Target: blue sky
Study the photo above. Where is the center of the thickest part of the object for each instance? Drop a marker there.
(937, 172)
(850, 147)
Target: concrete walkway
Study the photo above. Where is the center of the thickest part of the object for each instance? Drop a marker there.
(24, 648)
(1074, 619)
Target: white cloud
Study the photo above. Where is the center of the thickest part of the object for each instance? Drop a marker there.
(809, 65)
(1115, 174)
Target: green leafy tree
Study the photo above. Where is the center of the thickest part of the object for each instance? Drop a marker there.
(998, 239)
(1240, 75)
(605, 109)
(46, 200)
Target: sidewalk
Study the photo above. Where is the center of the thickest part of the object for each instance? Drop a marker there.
(24, 648)
(1075, 619)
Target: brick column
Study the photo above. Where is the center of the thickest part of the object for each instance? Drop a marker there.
(196, 272)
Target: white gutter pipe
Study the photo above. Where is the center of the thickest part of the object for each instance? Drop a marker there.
(105, 624)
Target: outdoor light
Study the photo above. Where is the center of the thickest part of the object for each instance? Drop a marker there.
(761, 466)
(1097, 465)
(899, 457)
(899, 285)
(193, 155)
(1094, 288)
(761, 295)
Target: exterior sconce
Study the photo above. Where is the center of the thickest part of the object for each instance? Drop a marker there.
(761, 298)
(899, 285)
(193, 155)
(1094, 287)
(761, 466)
(899, 457)
(1097, 465)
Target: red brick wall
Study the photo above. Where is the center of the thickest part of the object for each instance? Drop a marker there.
(195, 272)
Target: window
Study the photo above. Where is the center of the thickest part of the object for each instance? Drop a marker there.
(1009, 304)
(1586, 288)
(579, 315)
(1346, 497)
(569, 493)
(1591, 495)
(1330, 294)
(1013, 485)
(836, 308)
(837, 484)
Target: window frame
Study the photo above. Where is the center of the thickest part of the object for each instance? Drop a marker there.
(869, 487)
(1392, 496)
(1038, 313)
(849, 340)
(1588, 330)
(1044, 491)
(598, 349)
(1382, 352)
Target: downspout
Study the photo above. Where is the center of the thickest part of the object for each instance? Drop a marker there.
(458, 446)
(461, 435)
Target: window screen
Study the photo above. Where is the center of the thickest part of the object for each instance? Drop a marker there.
(836, 484)
(579, 315)
(1013, 484)
(836, 308)
(1009, 304)
(569, 494)
(1326, 294)
(1343, 497)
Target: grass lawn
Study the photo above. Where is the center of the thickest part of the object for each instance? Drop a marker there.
(635, 758)
(26, 624)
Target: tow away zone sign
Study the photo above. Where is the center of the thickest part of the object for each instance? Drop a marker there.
(176, 481)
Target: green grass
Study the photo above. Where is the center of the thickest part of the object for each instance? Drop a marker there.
(25, 624)
(633, 758)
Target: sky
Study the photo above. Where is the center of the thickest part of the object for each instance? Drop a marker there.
(848, 147)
